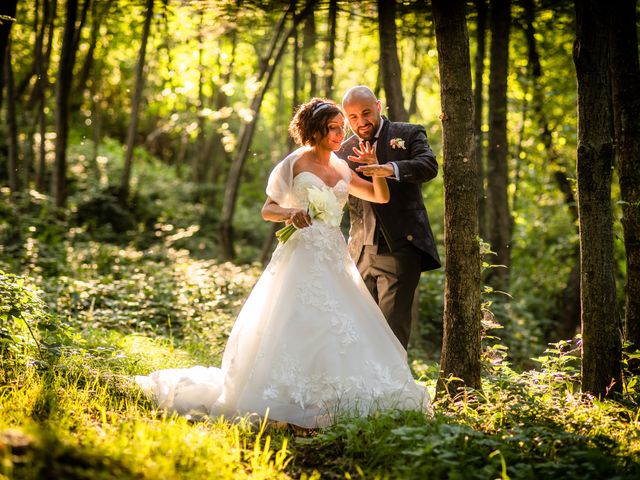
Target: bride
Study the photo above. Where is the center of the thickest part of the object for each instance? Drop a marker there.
(310, 343)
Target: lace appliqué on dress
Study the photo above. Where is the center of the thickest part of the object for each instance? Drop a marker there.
(329, 392)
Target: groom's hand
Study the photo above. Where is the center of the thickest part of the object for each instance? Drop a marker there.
(366, 154)
(376, 170)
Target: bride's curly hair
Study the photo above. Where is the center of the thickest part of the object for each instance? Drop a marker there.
(312, 118)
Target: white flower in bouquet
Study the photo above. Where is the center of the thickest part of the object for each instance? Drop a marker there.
(323, 205)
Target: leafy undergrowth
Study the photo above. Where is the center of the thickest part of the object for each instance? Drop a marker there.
(512, 430)
(68, 409)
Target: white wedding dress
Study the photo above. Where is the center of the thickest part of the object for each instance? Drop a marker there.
(310, 344)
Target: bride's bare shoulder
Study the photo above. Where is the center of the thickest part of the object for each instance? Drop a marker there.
(302, 163)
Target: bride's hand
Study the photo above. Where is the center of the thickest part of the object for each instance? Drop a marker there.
(366, 154)
(299, 218)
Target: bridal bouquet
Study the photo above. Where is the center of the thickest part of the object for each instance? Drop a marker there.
(323, 205)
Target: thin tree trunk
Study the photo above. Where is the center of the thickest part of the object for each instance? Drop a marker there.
(246, 135)
(220, 157)
(295, 81)
(566, 314)
(413, 103)
(498, 175)
(626, 105)
(41, 87)
(26, 81)
(135, 104)
(308, 53)
(63, 87)
(96, 123)
(601, 344)
(22, 86)
(14, 167)
(40, 29)
(201, 160)
(481, 41)
(182, 153)
(389, 63)
(461, 342)
(87, 65)
(524, 114)
(331, 51)
(83, 19)
(566, 305)
(282, 133)
(8, 9)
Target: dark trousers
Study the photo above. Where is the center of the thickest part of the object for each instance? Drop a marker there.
(392, 279)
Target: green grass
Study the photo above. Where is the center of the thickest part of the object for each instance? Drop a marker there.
(75, 413)
(76, 421)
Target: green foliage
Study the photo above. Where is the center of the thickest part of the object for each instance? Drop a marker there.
(21, 311)
(32, 233)
(79, 413)
(525, 426)
(162, 291)
(104, 208)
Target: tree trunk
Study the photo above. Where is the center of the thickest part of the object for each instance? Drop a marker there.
(295, 81)
(220, 158)
(308, 53)
(331, 51)
(8, 9)
(566, 304)
(497, 157)
(389, 63)
(461, 342)
(524, 114)
(566, 314)
(135, 104)
(481, 36)
(63, 87)
(32, 70)
(601, 345)
(87, 65)
(246, 133)
(413, 102)
(41, 87)
(40, 29)
(96, 123)
(201, 164)
(626, 105)
(13, 165)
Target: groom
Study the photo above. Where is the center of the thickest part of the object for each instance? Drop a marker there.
(391, 243)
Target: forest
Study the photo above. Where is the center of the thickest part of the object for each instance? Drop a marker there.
(136, 140)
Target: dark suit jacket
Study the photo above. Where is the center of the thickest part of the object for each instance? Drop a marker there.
(404, 219)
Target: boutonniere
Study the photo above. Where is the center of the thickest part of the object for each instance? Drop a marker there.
(397, 143)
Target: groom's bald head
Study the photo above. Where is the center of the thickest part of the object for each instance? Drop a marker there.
(362, 109)
(359, 93)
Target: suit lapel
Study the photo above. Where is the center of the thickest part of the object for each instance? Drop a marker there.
(382, 147)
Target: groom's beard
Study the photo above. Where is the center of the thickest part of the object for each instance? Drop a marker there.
(372, 136)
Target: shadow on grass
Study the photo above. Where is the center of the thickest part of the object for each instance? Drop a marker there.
(43, 455)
